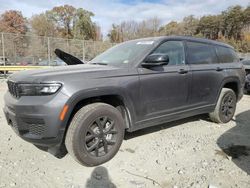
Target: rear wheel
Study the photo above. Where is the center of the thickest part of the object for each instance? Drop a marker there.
(225, 107)
(95, 134)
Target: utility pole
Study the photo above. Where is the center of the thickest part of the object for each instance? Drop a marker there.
(49, 51)
(83, 52)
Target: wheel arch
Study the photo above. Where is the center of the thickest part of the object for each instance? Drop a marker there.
(114, 98)
(231, 83)
(233, 86)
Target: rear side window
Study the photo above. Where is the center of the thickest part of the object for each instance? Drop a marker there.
(226, 55)
(200, 53)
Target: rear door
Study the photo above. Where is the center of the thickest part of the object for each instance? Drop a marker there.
(207, 73)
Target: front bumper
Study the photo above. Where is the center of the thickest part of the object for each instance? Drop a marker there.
(36, 119)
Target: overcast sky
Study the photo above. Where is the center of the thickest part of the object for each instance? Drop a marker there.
(114, 11)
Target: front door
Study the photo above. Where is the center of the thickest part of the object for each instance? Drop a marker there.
(164, 88)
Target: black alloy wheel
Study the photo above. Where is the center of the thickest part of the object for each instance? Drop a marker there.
(101, 136)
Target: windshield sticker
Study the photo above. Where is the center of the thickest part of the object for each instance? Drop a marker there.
(145, 42)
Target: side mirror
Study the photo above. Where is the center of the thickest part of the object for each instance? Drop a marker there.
(156, 60)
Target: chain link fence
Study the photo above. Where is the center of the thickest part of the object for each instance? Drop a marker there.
(19, 49)
(16, 49)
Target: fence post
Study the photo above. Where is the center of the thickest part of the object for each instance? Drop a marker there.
(94, 49)
(3, 52)
(83, 51)
(49, 51)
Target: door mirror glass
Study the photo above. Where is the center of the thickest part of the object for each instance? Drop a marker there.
(156, 59)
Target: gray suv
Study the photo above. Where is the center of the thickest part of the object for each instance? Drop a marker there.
(85, 109)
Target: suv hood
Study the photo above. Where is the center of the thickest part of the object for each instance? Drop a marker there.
(73, 72)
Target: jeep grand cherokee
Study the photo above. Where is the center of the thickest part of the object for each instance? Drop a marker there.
(85, 109)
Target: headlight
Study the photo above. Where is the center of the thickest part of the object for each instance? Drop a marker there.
(38, 89)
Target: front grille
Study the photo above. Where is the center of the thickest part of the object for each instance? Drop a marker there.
(35, 126)
(36, 129)
(13, 88)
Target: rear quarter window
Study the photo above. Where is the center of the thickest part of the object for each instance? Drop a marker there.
(226, 55)
(201, 53)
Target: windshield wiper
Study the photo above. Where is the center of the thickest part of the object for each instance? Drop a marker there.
(99, 63)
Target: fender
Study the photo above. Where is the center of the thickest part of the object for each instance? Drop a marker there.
(99, 92)
(231, 79)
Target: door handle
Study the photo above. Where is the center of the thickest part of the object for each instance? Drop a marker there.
(183, 71)
(219, 69)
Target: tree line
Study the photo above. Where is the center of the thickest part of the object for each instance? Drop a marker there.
(63, 21)
(231, 26)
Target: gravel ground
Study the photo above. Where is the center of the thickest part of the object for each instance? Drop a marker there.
(193, 152)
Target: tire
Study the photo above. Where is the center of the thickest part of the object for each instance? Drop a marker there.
(95, 134)
(225, 107)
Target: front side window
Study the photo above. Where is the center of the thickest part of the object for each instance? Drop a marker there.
(226, 55)
(174, 50)
(201, 53)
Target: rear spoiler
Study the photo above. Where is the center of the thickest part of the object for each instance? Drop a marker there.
(67, 58)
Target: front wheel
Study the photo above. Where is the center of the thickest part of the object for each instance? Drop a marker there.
(95, 134)
(225, 107)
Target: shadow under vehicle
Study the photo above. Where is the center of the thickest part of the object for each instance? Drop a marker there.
(236, 142)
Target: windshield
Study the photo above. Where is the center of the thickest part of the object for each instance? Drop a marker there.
(123, 54)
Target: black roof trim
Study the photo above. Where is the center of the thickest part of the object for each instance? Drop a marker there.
(194, 39)
(203, 40)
